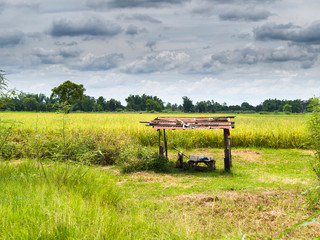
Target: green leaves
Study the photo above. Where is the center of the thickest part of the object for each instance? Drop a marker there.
(68, 92)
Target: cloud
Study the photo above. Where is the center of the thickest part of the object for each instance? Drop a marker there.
(151, 45)
(59, 56)
(304, 57)
(47, 56)
(289, 32)
(92, 63)
(2, 6)
(248, 15)
(10, 39)
(134, 30)
(88, 27)
(22, 5)
(164, 61)
(98, 4)
(143, 18)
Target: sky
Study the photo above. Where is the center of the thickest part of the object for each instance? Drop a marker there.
(229, 51)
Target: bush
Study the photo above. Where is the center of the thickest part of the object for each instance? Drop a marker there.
(136, 158)
(314, 127)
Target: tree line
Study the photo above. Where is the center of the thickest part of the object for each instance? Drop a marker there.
(73, 95)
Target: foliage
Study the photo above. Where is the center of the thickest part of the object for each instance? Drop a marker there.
(3, 82)
(187, 105)
(314, 127)
(68, 92)
(134, 158)
(287, 108)
(39, 102)
(144, 102)
(153, 106)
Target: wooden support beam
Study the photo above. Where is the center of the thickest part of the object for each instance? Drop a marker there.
(160, 147)
(165, 143)
(227, 150)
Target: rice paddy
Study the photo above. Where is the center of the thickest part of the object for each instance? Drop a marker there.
(262, 198)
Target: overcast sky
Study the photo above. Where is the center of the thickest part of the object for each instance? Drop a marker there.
(229, 51)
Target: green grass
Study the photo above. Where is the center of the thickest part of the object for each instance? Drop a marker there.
(259, 199)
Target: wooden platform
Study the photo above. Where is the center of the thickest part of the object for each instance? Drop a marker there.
(194, 161)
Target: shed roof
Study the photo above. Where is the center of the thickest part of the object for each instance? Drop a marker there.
(177, 123)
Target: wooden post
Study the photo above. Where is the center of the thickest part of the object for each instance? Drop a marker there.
(227, 150)
(165, 143)
(160, 147)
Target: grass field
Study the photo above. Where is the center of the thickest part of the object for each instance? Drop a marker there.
(261, 198)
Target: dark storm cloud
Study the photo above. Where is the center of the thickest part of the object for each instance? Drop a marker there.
(248, 14)
(89, 27)
(101, 63)
(10, 39)
(98, 4)
(143, 18)
(289, 32)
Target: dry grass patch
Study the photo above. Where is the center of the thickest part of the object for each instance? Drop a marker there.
(247, 156)
(263, 215)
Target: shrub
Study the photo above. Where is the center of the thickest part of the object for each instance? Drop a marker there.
(314, 127)
(135, 158)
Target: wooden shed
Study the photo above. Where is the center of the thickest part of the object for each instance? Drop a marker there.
(185, 123)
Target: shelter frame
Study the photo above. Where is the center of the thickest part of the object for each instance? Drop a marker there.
(184, 123)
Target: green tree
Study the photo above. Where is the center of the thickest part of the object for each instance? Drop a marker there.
(101, 104)
(202, 107)
(113, 105)
(5, 95)
(287, 108)
(153, 105)
(187, 104)
(29, 103)
(3, 82)
(68, 92)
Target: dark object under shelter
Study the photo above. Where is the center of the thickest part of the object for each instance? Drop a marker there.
(184, 123)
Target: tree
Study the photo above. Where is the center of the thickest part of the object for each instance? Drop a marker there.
(113, 105)
(101, 104)
(139, 103)
(202, 107)
(153, 105)
(68, 92)
(187, 104)
(3, 82)
(287, 108)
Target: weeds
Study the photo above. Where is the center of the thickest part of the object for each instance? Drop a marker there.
(135, 158)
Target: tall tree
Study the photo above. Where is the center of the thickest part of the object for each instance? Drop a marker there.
(187, 104)
(68, 92)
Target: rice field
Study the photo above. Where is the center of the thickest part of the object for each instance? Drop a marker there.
(254, 130)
